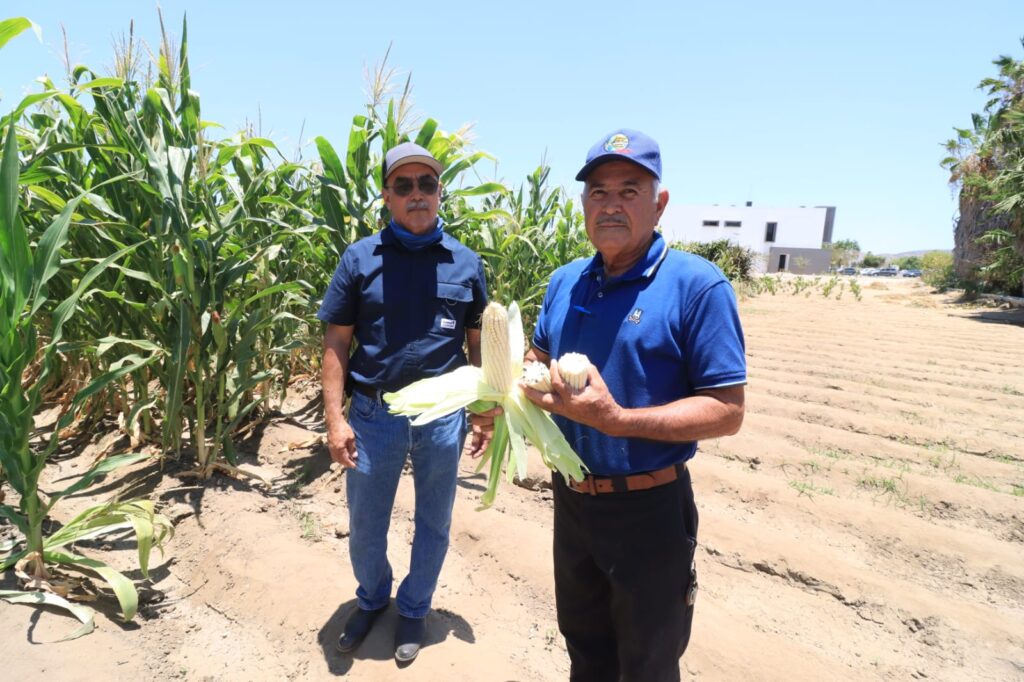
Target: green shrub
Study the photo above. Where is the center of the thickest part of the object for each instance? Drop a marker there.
(737, 262)
(937, 269)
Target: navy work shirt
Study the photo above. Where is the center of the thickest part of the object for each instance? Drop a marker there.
(659, 332)
(410, 308)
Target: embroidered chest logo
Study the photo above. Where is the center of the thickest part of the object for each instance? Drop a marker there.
(634, 316)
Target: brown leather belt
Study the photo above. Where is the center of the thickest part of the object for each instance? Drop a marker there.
(594, 485)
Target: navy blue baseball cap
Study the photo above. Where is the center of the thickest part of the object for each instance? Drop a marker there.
(624, 145)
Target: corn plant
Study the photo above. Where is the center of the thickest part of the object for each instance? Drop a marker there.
(25, 274)
(533, 224)
(207, 284)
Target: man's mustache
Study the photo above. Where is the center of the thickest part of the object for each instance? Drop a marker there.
(417, 205)
(614, 219)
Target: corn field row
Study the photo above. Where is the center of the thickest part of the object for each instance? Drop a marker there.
(162, 282)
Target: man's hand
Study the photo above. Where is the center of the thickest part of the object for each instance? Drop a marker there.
(482, 430)
(341, 442)
(593, 406)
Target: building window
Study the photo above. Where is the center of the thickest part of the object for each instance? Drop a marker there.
(733, 223)
(710, 223)
(783, 261)
(769, 231)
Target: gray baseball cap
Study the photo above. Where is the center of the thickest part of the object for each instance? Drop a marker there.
(408, 152)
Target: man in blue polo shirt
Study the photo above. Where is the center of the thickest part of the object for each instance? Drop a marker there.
(410, 295)
(663, 336)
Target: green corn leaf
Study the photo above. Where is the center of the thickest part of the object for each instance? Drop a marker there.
(15, 256)
(108, 342)
(517, 454)
(50, 197)
(145, 535)
(123, 588)
(9, 28)
(331, 162)
(356, 158)
(103, 467)
(109, 82)
(25, 104)
(66, 309)
(426, 133)
(47, 256)
(451, 172)
(479, 190)
(94, 523)
(84, 614)
(12, 515)
(499, 443)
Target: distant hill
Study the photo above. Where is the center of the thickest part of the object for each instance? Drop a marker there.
(907, 254)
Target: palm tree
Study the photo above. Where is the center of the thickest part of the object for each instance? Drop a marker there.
(986, 161)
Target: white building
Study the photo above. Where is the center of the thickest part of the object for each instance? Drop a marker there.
(788, 239)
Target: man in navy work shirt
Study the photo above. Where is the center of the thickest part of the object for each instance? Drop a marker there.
(410, 295)
(663, 336)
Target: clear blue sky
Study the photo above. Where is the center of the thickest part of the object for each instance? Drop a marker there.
(784, 103)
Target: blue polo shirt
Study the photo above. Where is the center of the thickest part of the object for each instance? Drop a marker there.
(660, 332)
(410, 308)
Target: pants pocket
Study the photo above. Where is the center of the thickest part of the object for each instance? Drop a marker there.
(363, 406)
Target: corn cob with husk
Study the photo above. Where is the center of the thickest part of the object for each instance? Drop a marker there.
(482, 388)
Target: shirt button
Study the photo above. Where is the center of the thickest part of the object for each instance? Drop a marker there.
(600, 294)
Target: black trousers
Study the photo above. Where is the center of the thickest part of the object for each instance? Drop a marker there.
(623, 575)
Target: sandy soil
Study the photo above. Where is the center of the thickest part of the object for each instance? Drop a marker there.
(867, 523)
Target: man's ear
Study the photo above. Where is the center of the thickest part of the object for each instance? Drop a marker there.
(662, 202)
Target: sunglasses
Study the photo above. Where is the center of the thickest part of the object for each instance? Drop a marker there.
(402, 186)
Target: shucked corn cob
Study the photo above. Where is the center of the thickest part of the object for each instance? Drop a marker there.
(573, 368)
(537, 376)
(496, 347)
(497, 383)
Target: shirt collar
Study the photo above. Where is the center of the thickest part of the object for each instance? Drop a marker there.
(644, 268)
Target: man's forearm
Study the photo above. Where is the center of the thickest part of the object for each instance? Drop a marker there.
(333, 370)
(694, 418)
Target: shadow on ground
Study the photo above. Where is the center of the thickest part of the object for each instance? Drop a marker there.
(379, 644)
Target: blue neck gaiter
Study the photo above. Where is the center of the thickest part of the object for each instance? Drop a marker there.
(415, 242)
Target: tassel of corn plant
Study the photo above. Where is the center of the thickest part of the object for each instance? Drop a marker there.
(496, 383)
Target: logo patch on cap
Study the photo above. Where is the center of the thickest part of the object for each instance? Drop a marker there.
(617, 143)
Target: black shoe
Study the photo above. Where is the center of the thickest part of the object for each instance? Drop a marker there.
(357, 627)
(409, 638)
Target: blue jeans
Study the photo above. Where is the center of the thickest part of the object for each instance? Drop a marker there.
(383, 441)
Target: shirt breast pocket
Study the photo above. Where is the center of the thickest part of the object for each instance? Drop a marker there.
(453, 300)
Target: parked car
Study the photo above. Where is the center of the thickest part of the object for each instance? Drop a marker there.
(848, 271)
(870, 272)
(910, 273)
(887, 272)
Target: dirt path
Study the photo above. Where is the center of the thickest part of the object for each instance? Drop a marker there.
(867, 523)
